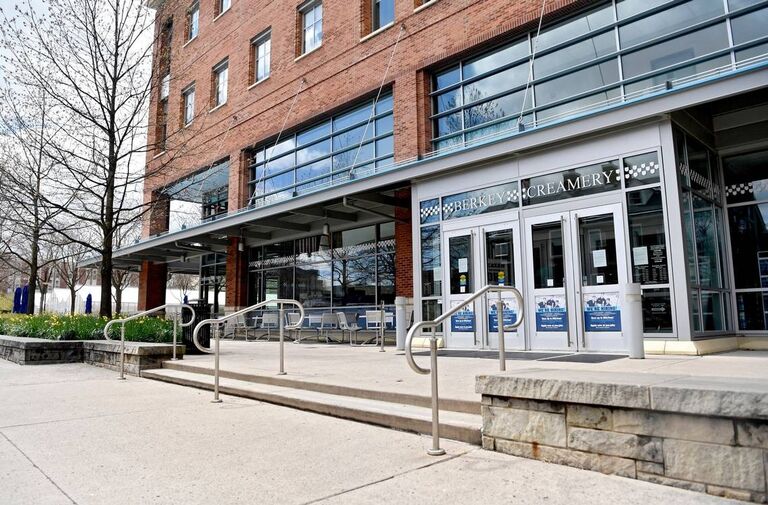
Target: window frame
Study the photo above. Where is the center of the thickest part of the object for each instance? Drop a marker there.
(220, 68)
(373, 8)
(221, 9)
(187, 93)
(193, 21)
(303, 10)
(258, 41)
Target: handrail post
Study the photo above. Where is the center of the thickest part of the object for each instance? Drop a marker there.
(282, 339)
(382, 320)
(175, 328)
(500, 332)
(216, 331)
(122, 352)
(435, 450)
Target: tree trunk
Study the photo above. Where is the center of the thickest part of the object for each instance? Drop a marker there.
(30, 309)
(72, 294)
(106, 282)
(118, 299)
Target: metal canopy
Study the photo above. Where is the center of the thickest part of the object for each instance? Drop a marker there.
(182, 250)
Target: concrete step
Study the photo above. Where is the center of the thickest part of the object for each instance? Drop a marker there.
(446, 404)
(453, 425)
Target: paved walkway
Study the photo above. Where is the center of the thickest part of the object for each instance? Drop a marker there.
(75, 434)
(367, 368)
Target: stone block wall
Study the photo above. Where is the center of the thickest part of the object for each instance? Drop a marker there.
(138, 356)
(718, 455)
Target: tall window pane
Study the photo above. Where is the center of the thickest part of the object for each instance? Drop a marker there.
(383, 13)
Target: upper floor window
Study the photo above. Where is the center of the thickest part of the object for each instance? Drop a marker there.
(383, 13)
(188, 99)
(262, 51)
(312, 26)
(222, 6)
(220, 75)
(193, 21)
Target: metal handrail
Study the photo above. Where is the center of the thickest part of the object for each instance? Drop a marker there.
(124, 320)
(436, 450)
(216, 324)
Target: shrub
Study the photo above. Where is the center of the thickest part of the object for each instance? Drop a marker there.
(84, 327)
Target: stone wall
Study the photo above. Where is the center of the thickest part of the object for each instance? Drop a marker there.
(724, 455)
(105, 353)
(38, 351)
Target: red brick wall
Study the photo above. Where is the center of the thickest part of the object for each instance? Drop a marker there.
(237, 275)
(403, 247)
(341, 70)
(152, 284)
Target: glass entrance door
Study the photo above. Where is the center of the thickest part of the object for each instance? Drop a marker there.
(576, 277)
(476, 257)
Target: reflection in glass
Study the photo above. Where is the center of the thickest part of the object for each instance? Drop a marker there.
(577, 82)
(313, 284)
(750, 26)
(647, 237)
(460, 251)
(598, 250)
(569, 56)
(500, 258)
(431, 274)
(668, 21)
(670, 52)
(752, 311)
(547, 248)
(749, 245)
(657, 311)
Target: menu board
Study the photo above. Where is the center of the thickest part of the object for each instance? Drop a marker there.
(649, 264)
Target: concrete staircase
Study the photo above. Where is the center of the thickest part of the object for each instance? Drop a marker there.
(459, 419)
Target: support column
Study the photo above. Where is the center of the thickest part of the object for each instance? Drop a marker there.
(153, 279)
(403, 247)
(237, 274)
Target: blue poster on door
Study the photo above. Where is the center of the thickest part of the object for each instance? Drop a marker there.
(510, 316)
(601, 312)
(463, 320)
(551, 313)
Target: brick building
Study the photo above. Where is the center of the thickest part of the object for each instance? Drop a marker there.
(347, 152)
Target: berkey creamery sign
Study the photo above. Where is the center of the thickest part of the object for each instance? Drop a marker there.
(571, 183)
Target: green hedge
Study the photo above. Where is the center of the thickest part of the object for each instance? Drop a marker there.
(84, 327)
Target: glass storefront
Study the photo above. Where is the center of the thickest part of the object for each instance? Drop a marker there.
(587, 243)
(699, 178)
(359, 269)
(213, 280)
(746, 193)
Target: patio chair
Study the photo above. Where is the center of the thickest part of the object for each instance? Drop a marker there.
(293, 318)
(373, 322)
(269, 321)
(329, 321)
(345, 327)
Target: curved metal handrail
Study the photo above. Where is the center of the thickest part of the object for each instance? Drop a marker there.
(436, 450)
(439, 320)
(124, 320)
(147, 312)
(241, 312)
(217, 322)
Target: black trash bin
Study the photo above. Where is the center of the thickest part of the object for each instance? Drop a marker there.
(202, 311)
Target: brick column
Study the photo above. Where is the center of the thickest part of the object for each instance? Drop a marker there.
(159, 214)
(237, 275)
(152, 284)
(403, 247)
(406, 116)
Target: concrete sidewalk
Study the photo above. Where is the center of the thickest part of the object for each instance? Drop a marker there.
(367, 368)
(74, 434)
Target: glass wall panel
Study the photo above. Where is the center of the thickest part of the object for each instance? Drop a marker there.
(692, 30)
(311, 152)
(500, 258)
(749, 245)
(641, 170)
(671, 52)
(313, 284)
(574, 27)
(386, 278)
(577, 82)
(647, 237)
(668, 21)
(569, 56)
(547, 247)
(354, 280)
(657, 311)
(750, 26)
(752, 310)
(498, 108)
(495, 59)
(431, 273)
(460, 253)
(597, 239)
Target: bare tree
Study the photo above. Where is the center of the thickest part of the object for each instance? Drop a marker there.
(27, 128)
(186, 283)
(68, 269)
(92, 59)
